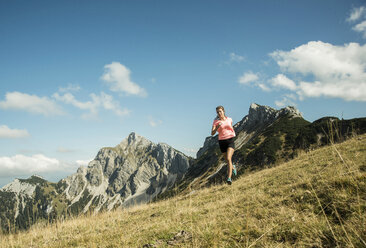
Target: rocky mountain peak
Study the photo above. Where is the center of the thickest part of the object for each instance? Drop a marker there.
(133, 137)
(261, 113)
(254, 106)
(134, 140)
(23, 186)
(292, 111)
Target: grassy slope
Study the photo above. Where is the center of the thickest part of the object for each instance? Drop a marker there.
(315, 200)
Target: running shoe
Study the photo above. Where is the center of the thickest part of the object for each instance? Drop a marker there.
(234, 170)
(228, 181)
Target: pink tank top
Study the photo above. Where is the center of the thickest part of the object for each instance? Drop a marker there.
(226, 130)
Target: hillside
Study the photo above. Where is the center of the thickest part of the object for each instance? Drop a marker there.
(317, 199)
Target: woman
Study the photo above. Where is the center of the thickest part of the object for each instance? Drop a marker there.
(224, 126)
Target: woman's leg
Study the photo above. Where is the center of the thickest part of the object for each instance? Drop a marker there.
(228, 156)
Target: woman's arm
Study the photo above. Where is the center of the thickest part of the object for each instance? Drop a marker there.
(214, 128)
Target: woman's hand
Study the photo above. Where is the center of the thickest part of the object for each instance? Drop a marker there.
(214, 128)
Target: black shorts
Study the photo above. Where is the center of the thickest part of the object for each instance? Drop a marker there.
(225, 144)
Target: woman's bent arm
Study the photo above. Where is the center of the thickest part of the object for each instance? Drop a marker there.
(214, 129)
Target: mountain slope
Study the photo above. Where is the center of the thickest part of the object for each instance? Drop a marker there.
(315, 200)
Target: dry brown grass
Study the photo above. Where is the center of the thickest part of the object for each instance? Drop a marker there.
(315, 200)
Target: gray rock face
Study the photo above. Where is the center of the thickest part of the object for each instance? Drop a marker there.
(135, 171)
(22, 191)
(259, 116)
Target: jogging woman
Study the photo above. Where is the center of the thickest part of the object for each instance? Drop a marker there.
(224, 126)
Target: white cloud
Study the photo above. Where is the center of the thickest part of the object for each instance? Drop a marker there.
(36, 164)
(83, 162)
(250, 78)
(263, 87)
(70, 87)
(154, 122)
(247, 78)
(336, 71)
(30, 103)
(356, 14)
(118, 78)
(283, 82)
(108, 103)
(287, 100)
(236, 58)
(69, 98)
(104, 101)
(6, 132)
(361, 28)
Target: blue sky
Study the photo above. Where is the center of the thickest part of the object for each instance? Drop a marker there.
(76, 76)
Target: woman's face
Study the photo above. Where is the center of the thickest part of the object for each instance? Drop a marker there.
(220, 112)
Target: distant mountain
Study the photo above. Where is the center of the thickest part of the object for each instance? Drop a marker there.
(25, 201)
(139, 171)
(133, 172)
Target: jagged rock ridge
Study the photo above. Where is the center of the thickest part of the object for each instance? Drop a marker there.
(135, 171)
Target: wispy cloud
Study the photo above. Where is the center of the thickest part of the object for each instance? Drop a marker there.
(248, 78)
(263, 87)
(70, 88)
(283, 82)
(231, 58)
(153, 122)
(6, 132)
(69, 98)
(108, 103)
(252, 79)
(236, 58)
(288, 99)
(361, 28)
(117, 76)
(356, 14)
(30, 103)
(103, 101)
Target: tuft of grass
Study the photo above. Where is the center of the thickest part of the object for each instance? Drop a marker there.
(315, 200)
